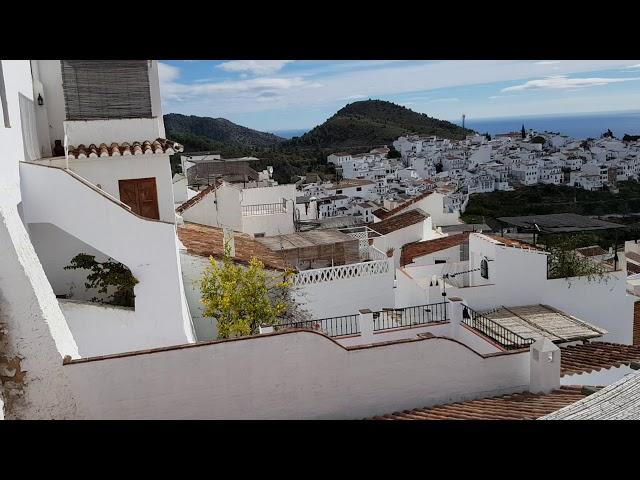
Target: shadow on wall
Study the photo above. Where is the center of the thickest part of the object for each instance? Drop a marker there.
(56, 249)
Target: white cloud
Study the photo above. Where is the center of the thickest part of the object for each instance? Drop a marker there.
(302, 94)
(548, 62)
(633, 66)
(167, 73)
(447, 99)
(564, 82)
(256, 67)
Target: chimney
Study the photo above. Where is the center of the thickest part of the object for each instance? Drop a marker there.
(544, 366)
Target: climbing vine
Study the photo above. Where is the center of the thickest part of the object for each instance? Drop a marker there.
(105, 275)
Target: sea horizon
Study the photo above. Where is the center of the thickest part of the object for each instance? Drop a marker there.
(576, 125)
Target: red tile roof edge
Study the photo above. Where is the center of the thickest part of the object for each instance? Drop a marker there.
(198, 197)
(116, 149)
(382, 213)
(514, 406)
(418, 249)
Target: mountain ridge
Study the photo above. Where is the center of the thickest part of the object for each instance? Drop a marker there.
(372, 123)
(219, 130)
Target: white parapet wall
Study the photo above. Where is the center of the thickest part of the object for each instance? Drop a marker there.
(345, 289)
(86, 132)
(292, 375)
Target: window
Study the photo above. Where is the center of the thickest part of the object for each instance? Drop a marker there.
(3, 99)
(359, 189)
(440, 261)
(484, 268)
(101, 89)
(338, 192)
(258, 235)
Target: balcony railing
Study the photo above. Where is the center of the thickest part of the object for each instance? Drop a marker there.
(263, 209)
(506, 338)
(332, 327)
(410, 316)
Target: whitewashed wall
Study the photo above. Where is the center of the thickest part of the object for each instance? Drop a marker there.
(56, 248)
(519, 277)
(298, 375)
(50, 74)
(399, 238)
(112, 130)
(270, 225)
(220, 208)
(106, 172)
(32, 327)
(347, 296)
(147, 247)
(408, 291)
(448, 254)
(96, 327)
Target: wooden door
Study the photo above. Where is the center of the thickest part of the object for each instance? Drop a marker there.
(141, 195)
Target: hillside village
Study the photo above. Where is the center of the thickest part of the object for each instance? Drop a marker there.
(397, 309)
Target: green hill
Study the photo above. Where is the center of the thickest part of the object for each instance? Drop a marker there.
(370, 123)
(218, 129)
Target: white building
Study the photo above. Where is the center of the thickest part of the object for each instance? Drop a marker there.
(257, 211)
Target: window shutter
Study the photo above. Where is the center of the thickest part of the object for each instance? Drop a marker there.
(103, 89)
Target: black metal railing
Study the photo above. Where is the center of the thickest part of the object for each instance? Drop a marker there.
(264, 209)
(409, 316)
(332, 327)
(503, 336)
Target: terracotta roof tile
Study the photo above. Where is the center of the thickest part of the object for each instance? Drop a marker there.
(595, 356)
(198, 197)
(417, 249)
(592, 251)
(517, 406)
(208, 241)
(160, 145)
(398, 222)
(382, 213)
(510, 242)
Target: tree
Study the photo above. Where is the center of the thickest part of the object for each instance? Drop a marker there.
(487, 136)
(239, 298)
(608, 133)
(523, 133)
(106, 275)
(393, 153)
(565, 262)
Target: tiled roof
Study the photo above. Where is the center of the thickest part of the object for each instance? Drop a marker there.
(160, 145)
(198, 197)
(418, 249)
(510, 242)
(618, 401)
(632, 268)
(398, 222)
(381, 213)
(351, 182)
(592, 251)
(517, 406)
(208, 241)
(595, 356)
(633, 256)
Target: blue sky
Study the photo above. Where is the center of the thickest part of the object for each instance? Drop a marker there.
(271, 95)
